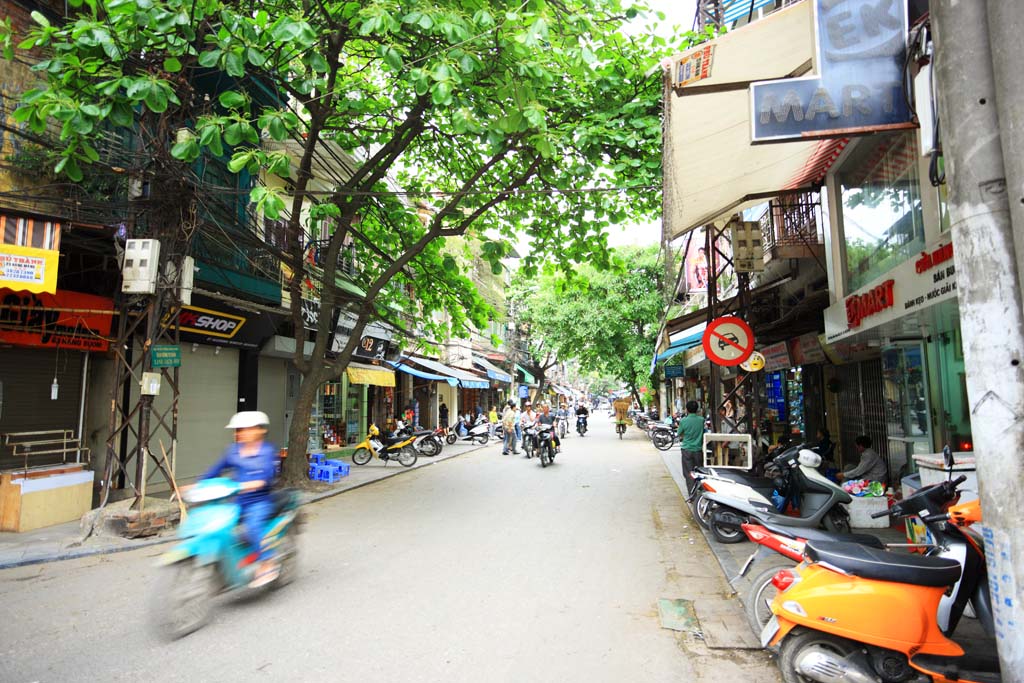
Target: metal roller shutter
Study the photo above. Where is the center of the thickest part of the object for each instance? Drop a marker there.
(25, 379)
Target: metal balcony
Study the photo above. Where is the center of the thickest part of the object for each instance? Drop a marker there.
(791, 228)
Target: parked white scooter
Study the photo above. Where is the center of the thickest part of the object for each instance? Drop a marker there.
(477, 431)
(822, 503)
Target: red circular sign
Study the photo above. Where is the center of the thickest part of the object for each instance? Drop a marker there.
(728, 341)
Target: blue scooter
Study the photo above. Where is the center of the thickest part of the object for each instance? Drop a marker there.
(211, 556)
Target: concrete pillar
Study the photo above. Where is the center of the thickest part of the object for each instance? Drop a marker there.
(989, 290)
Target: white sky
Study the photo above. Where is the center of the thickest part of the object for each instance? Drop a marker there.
(678, 15)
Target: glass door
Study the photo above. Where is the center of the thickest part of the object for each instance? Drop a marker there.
(907, 414)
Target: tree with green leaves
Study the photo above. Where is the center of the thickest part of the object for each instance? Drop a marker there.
(459, 117)
(606, 319)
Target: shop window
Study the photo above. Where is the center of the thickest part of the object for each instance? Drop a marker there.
(881, 204)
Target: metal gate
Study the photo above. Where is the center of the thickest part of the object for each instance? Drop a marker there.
(861, 409)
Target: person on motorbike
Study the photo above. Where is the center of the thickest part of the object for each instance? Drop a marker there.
(527, 419)
(546, 417)
(582, 412)
(252, 461)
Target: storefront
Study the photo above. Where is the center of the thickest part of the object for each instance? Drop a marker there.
(458, 389)
(46, 367)
(501, 383)
(912, 387)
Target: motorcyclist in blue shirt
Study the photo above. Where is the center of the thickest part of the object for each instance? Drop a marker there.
(252, 461)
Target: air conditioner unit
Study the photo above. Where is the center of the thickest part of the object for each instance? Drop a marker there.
(140, 267)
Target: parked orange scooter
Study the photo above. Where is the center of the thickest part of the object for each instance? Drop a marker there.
(856, 614)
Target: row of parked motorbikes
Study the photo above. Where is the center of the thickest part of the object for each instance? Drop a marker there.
(854, 609)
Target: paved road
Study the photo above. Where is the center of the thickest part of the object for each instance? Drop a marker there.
(483, 568)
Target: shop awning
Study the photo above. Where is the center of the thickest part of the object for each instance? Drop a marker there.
(370, 374)
(416, 372)
(562, 391)
(713, 169)
(494, 372)
(527, 377)
(691, 337)
(464, 379)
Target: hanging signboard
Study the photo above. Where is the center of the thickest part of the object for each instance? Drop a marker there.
(68, 320)
(861, 49)
(672, 371)
(806, 350)
(693, 66)
(913, 285)
(28, 269)
(165, 356)
(776, 357)
(728, 341)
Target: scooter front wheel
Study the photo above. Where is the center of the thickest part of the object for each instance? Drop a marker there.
(451, 438)
(184, 593)
(797, 643)
(361, 456)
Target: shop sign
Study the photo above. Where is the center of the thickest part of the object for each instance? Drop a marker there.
(210, 321)
(876, 300)
(672, 371)
(861, 48)
(694, 356)
(66, 320)
(165, 356)
(913, 285)
(372, 347)
(806, 350)
(524, 391)
(776, 357)
(694, 66)
(28, 269)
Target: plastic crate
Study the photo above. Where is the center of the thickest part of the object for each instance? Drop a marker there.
(340, 465)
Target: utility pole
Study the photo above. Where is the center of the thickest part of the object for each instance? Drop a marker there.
(976, 65)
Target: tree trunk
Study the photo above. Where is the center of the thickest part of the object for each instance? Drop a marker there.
(295, 469)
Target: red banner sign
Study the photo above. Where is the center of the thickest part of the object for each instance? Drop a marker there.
(67, 320)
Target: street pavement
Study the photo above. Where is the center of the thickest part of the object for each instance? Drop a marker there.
(484, 567)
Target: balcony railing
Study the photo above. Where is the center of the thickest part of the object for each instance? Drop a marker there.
(792, 223)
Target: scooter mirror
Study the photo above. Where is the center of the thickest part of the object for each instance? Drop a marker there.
(947, 458)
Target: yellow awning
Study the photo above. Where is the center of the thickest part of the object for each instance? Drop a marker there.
(370, 374)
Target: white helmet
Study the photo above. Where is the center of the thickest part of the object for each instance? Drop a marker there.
(808, 458)
(248, 418)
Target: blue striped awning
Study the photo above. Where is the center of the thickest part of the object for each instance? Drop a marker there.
(679, 346)
(464, 379)
(416, 372)
(733, 10)
(494, 372)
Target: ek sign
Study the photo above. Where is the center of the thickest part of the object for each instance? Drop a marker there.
(861, 46)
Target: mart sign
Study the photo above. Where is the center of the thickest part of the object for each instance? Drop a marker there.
(861, 45)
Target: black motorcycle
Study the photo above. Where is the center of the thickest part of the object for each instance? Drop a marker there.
(581, 424)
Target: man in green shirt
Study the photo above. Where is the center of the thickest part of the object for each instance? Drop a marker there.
(691, 438)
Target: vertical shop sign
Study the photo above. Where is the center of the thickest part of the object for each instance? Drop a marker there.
(861, 48)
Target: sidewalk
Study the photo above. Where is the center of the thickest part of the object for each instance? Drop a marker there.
(65, 542)
(731, 557)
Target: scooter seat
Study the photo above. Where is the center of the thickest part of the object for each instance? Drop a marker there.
(883, 565)
(741, 477)
(811, 534)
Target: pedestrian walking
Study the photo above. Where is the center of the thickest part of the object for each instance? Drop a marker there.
(691, 437)
(492, 420)
(519, 431)
(509, 422)
(442, 415)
